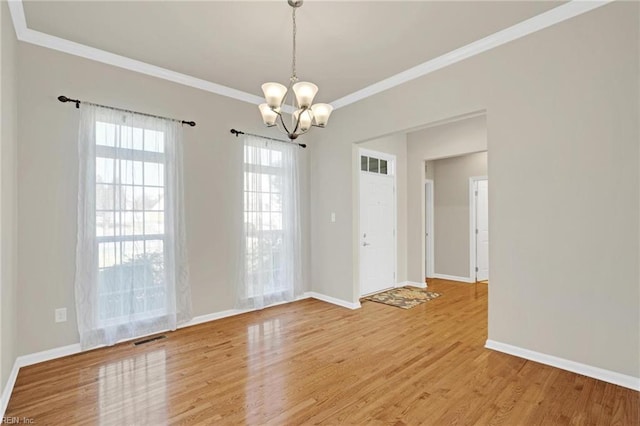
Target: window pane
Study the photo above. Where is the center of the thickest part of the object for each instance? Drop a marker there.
(276, 158)
(153, 174)
(154, 223)
(276, 202)
(265, 221)
(106, 255)
(276, 221)
(276, 184)
(131, 197)
(105, 172)
(131, 172)
(153, 198)
(105, 134)
(130, 223)
(153, 141)
(126, 137)
(137, 137)
(251, 201)
(154, 247)
(265, 156)
(265, 204)
(373, 165)
(105, 222)
(383, 167)
(105, 195)
(363, 163)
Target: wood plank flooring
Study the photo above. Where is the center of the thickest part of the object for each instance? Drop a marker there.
(310, 362)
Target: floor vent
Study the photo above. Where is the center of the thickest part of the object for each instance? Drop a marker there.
(151, 339)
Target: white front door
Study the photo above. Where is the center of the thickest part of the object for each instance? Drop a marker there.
(482, 230)
(377, 235)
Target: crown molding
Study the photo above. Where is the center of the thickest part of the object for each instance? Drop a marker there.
(38, 38)
(529, 26)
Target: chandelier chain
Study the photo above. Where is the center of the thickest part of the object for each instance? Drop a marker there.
(294, 77)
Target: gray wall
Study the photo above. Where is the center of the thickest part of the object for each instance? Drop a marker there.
(453, 138)
(452, 211)
(561, 103)
(8, 200)
(47, 192)
(396, 145)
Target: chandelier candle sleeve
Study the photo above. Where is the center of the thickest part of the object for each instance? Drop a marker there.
(301, 93)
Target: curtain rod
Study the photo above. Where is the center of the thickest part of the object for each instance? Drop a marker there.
(240, 132)
(78, 102)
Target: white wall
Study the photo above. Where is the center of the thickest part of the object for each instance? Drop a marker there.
(47, 192)
(396, 145)
(453, 138)
(8, 202)
(562, 124)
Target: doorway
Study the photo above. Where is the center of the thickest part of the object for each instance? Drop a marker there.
(479, 219)
(377, 222)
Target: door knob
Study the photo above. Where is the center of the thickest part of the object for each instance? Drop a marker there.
(366, 244)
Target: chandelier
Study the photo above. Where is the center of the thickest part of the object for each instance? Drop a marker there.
(305, 113)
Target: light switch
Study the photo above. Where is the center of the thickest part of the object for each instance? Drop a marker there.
(333, 217)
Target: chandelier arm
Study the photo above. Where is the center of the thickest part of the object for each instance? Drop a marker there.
(282, 122)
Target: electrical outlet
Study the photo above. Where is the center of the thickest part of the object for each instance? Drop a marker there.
(333, 217)
(61, 314)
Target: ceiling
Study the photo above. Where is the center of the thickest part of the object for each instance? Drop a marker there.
(343, 46)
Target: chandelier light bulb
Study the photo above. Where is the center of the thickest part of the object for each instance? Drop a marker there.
(321, 113)
(274, 94)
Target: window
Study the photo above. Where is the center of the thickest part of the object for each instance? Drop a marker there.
(263, 215)
(130, 214)
(132, 277)
(270, 240)
(375, 165)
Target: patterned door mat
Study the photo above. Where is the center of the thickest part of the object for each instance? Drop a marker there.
(404, 297)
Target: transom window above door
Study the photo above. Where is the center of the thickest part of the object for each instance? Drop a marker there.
(375, 165)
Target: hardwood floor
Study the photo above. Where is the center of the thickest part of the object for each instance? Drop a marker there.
(310, 362)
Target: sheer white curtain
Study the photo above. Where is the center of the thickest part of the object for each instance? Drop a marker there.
(270, 269)
(131, 260)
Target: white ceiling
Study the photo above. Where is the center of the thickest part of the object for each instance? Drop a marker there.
(343, 46)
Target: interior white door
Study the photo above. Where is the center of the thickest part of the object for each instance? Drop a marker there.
(482, 230)
(428, 229)
(377, 239)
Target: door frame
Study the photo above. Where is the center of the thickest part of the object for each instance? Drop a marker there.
(429, 221)
(473, 214)
(391, 164)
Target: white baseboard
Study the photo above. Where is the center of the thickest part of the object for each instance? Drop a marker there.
(565, 364)
(412, 284)
(8, 388)
(35, 358)
(454, 278)
(200, 319)
(335, 301)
